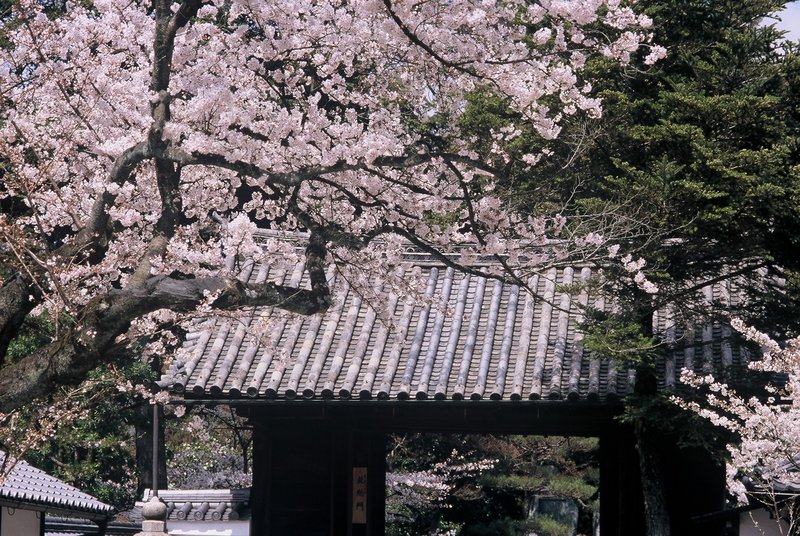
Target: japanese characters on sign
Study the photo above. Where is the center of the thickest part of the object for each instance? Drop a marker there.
(359, 516)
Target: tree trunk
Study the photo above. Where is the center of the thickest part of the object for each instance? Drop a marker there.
(656, 514)
(15, 304)
(87, 344)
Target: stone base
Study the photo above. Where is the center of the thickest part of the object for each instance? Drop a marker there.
(153, 528)
(154, 513)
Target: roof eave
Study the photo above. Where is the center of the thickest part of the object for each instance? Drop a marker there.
(40, 506)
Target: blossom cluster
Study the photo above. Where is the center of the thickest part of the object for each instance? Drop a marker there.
(429, 488)
(21, 431)
(282, 113)
(766, 451)
(204, 458)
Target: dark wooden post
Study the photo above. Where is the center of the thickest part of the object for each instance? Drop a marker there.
(609, 485)
(150, 444)
(259, 492)
(377, 484)
(621, 502)
(695, 485)
(156, 428)
(366, 482)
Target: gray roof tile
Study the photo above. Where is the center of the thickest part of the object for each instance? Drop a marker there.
(28, 485)
(203, 504)
(73, 526)
(469, 338)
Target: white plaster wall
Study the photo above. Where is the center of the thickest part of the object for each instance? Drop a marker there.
(21, 523)
(759, 523)
(207, 528)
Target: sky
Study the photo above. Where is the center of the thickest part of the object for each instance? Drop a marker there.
(791, 20)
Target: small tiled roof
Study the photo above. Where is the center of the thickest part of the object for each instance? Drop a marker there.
(71, 526)
(787, 484)
(204, 504)
(28, 487)
(470, 338)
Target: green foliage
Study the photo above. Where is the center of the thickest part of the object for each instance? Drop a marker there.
(695, 166)
(34, 333)
(96, 452)
(513, 482)
(676, 426)
(502, 140)
(617, 336)
(707, 142)
(499, 527)
(572, 486)
(547, 526)
(554, 466)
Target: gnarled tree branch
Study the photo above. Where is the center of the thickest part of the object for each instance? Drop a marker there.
(15, 304)
(92, 340)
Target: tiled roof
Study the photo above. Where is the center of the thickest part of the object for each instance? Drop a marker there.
(787, 484)
(70, 526)
(204, 504)
(470, 338)
(32, 488)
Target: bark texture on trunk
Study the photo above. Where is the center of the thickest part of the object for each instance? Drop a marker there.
(94, 336)
(657, 519)
(15, 304)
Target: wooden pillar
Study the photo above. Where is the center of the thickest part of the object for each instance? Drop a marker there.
(312, 480)
(310, 477)
(695, 483)
(366, 483)
(621, 502)
(609, 485)
(377, 484)
(259, 492)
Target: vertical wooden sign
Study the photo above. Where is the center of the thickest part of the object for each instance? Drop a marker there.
(359, 496)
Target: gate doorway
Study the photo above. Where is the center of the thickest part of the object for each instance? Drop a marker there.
(478, 484)
(323, 467)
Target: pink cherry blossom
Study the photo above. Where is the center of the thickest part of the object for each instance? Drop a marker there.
(150, 139)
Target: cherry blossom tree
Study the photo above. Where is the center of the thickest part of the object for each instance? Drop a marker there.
(210, 450)
(417, 490)
(764, 453)
(145, 142)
